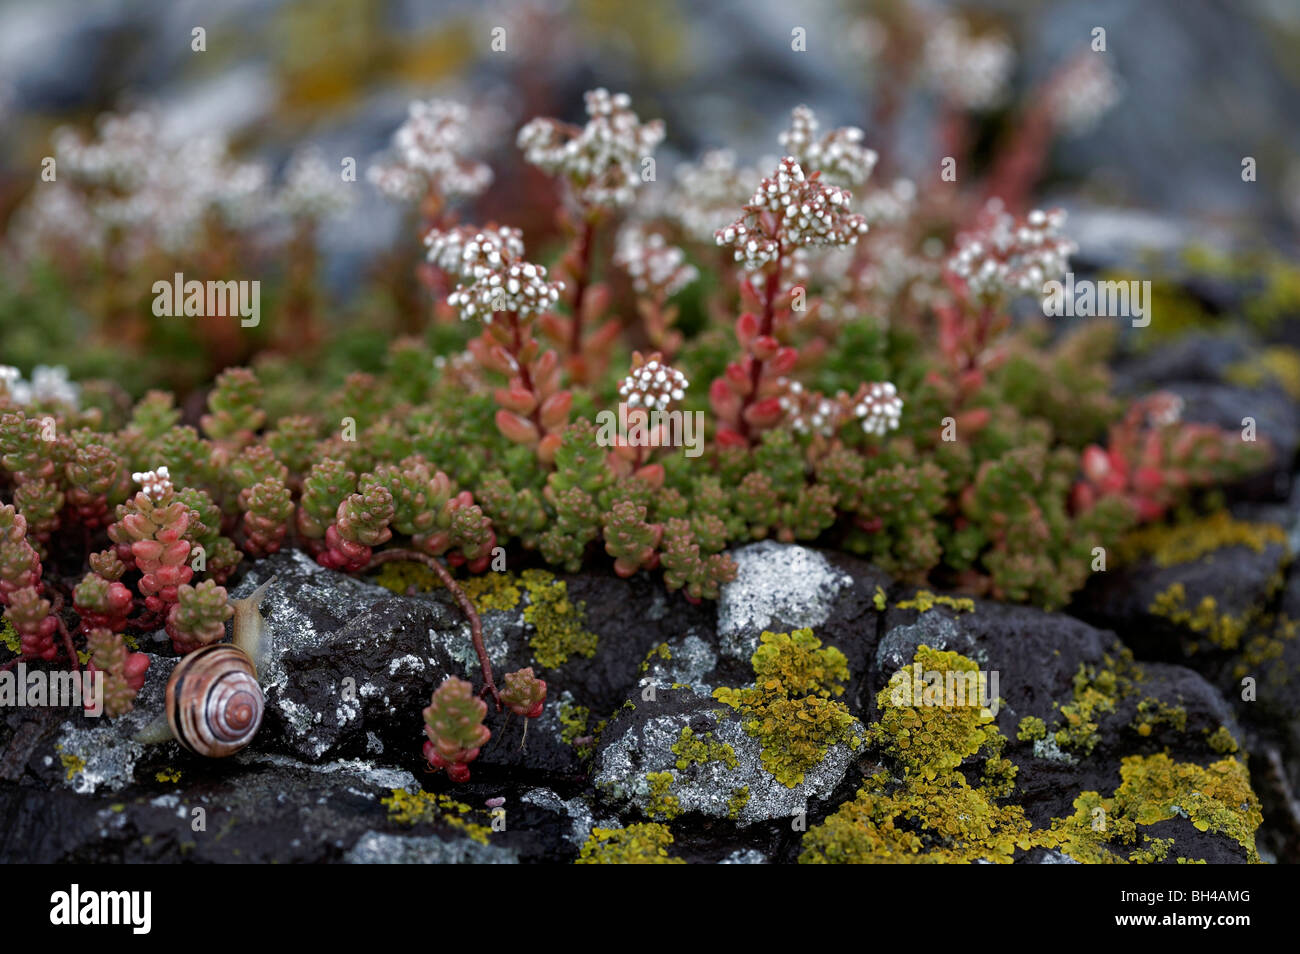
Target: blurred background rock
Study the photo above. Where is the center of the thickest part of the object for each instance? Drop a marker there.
(1204, 84)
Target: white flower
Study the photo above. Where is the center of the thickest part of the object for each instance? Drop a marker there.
(428, 153)
(654, 386)
(972, 71)
(1004, 258)
(312, 187)
(878, 407)
(602, 160)
(790, 210)
(1084, 93)
(839, 155)
(152, 187)
(155, 483)
(472, 252)
(656, 268)
(708, 192)
(49, 385)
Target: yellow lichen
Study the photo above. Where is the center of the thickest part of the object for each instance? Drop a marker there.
(9, 636)
(924, 601)
(493, 591)
(789, 709)
(642, 844)
(168, 774)
(929, 740)
(1031, 728)
(662, 803)
(573, 721)
(558, 624)
(692, 749)
(406, 808)
(487, 591)
(658, 652)
(1224, 631)
(941, 820)
(1154, 788)
(739, 799)
(73, 765)
(932, 814)
(1096, 691)
(401, 576)
(1186, 542)
(1152, 713)
(1221, 740)
(1278, 364)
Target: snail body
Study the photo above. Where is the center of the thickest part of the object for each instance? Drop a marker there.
(214, 703)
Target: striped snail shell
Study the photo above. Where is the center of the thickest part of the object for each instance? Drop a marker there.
(214, 704)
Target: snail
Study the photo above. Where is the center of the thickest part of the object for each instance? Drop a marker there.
(214, 702)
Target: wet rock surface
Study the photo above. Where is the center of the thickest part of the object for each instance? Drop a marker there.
(336, 774)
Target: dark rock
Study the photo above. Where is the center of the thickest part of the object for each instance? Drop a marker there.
(1239, 580)
(1038, 658)
(311, 786)
(1198, 356)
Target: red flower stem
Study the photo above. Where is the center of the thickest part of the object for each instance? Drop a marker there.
(67, 645)
(67, 637)
(525, 376)
(462, 600)
(770, 289)
(580, 286)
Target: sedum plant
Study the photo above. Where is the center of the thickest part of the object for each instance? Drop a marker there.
(794, 353)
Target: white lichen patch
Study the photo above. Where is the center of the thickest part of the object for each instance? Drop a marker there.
(408, 663)
(377, 848)
(776, 584)
(458, 644)
(690, 659)
(95, 758)
(368, 773)
(581, 818)
(1049, 750)
(749, 856)
(709, 788)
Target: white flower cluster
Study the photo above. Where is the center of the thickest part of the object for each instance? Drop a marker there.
(839, 155)
(655, 267)
(653, 386)
(57, 218)
(791, 211)
(396, 181)
(809, 412)
(49, 385)
(428, 153)
(708, 192)
(1005, 257)
(889, 205)
(879, 408)
(312, 187)
(155, 187)
(494, 276)
(1085, 93)
(602, 160)
(472, 252)
(519, 287)
(898, 272)
(155, 483)
(969, 70)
